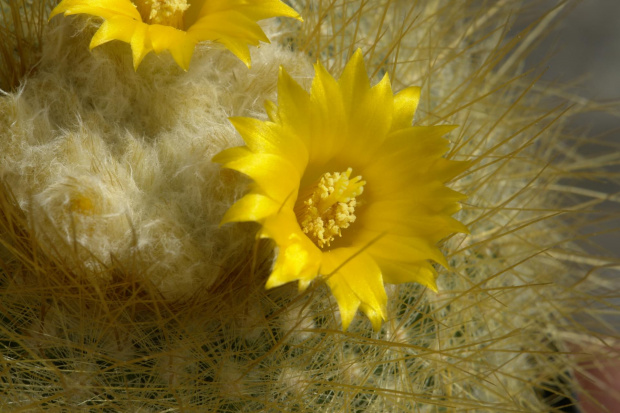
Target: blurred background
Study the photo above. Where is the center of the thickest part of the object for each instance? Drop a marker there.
(586, 46)
(584, 52)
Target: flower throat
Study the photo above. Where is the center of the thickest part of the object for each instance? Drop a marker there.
(164, 12)
(324, 209)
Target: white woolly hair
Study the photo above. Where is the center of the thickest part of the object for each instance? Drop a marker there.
(119, 291)
(113, 164)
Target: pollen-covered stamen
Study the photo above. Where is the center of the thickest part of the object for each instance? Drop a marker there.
(328, 207)
(164, 12)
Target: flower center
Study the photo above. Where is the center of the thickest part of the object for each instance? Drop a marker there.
(328, 206)
(164, 12)
(82, 204)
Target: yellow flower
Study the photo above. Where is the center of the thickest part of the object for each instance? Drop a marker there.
(177, 25)
(347, 188)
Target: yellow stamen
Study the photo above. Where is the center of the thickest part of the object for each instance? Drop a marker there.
(329, 206)
(164, 12)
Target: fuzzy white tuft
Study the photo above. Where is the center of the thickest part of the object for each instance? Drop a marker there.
(114, 166)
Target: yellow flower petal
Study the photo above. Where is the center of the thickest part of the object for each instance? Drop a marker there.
(408, 218)
(269, 138)
(326, 116)
(397, 272)
(116, 28)
(271, 109)
(367, 126)
(181, 44)
(297, 258)
(408, 154)
(253, 207)
(256, 9)
(140, 44)
(355, 278)
(446, 169)
(400, 247)
(293, 107)
(105, 9)
(354, 82)
(277, 177)
(405, 104)
(232, 154)
(232, 29)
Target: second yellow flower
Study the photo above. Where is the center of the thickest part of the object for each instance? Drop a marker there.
(178, 25)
